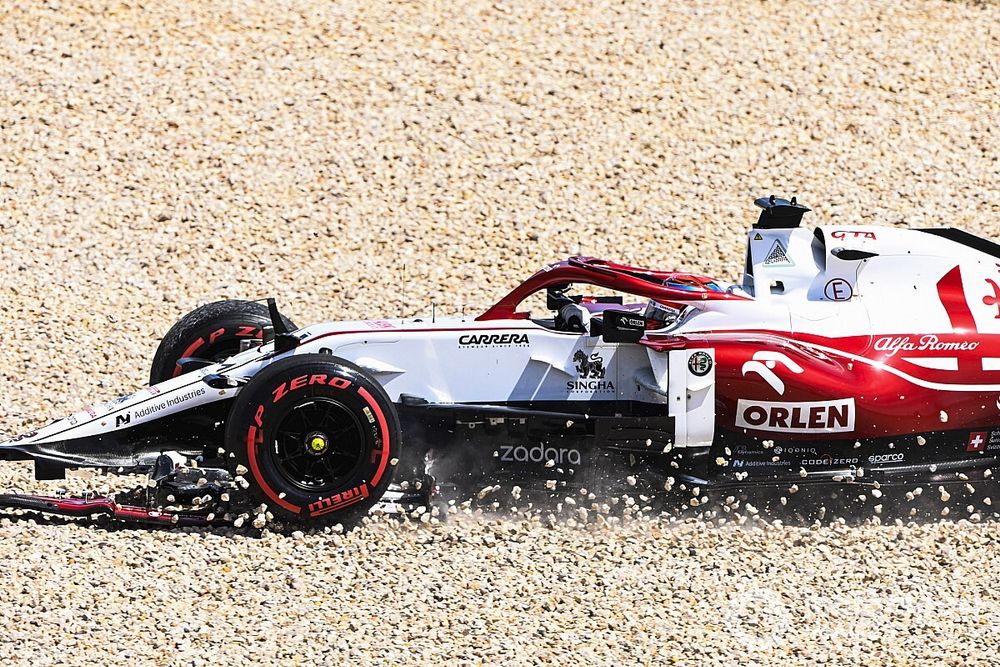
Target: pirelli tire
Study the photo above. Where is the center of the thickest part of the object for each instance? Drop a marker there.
(316, 438)
(212, 331)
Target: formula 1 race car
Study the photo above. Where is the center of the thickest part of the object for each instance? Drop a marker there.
(847, 355)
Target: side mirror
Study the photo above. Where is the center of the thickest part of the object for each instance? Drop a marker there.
(622, 326)
(220, 381)
(283, 340)
(189, 364)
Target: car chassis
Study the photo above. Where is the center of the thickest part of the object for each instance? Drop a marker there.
(850, 355)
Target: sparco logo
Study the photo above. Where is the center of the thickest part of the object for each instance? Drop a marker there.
(801, 417)
(886, 458)
(539, 454)
(471, 340)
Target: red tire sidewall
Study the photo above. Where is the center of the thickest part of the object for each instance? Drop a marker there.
(205, 341)
(211, 331)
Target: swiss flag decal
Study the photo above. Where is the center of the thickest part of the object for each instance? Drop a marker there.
(977, 441)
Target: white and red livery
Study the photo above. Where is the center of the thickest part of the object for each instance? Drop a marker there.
(857, 354)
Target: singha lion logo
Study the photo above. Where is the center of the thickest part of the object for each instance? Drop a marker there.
(592, 368)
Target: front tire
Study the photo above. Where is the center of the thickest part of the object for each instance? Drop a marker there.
(213, 332)
(318, 437)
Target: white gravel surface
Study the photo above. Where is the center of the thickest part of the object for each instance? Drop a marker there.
(368, 158)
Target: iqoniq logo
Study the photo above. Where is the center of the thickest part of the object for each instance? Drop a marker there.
(591, 371)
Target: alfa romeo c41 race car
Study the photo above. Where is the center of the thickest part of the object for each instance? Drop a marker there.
(846, 355)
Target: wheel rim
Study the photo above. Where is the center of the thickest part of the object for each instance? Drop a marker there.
(318, 445)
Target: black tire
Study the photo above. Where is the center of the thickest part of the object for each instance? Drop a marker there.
(213, 331)
(319, 439)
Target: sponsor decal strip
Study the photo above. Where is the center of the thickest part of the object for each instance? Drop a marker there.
(927, 343)
(886, 458)
(492, 339)
(782, 338)
(539, 454)
(156, 407)
(796, 417)
(828, 460)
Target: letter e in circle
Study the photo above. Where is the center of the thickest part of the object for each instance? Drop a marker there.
(838, 289)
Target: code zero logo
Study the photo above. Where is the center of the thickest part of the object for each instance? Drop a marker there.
(800, 417)
(700, 363)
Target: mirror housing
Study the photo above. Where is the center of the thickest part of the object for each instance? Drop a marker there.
(622, 326)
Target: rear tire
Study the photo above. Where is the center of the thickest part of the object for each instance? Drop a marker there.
(213, 331)
(319, 439)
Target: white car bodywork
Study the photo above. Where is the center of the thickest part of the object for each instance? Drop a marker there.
(793, 283)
